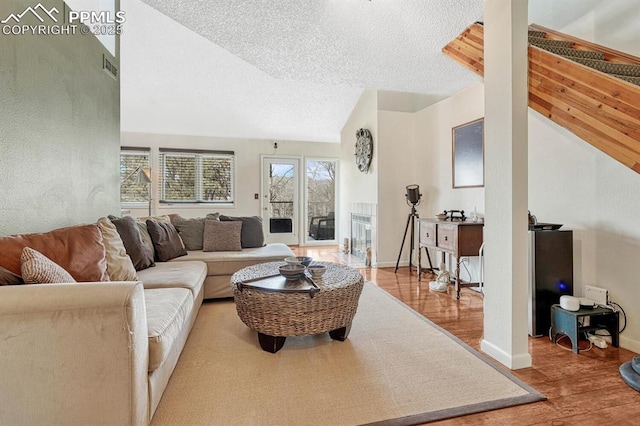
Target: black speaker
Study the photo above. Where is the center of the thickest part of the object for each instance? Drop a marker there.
(550, 275)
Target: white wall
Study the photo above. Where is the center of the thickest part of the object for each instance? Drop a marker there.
(573, 183)
(570, 182)
(433, 162)
(355, 186)
(562, 170)
(248, 167)
(433, 153)
(395, 171)
(60, 137)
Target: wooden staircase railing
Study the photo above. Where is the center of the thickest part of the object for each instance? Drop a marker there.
(602, 109)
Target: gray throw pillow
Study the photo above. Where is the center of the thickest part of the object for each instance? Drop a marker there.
(252, 234)
(141, 256)
(9, 278)
(166, 241)
(222, 236)
(191, 230)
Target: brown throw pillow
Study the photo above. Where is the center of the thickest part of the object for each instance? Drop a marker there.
(252, 234)
(39, 269)
(166, 241)
(222, 236)
(79, 250)
(140, 254)
(9, 278)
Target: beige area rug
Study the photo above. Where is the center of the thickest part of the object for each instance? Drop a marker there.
(395, 368)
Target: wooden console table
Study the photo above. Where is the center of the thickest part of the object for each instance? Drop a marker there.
(461, 239)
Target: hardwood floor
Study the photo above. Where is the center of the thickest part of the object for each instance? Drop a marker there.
(581, 389)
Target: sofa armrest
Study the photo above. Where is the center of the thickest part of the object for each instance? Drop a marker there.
(74, 354)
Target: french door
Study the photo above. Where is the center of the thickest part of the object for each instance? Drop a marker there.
(280, 200)
(321, 201)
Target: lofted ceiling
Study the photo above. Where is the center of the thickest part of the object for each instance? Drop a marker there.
(286, 69)
(294, 69)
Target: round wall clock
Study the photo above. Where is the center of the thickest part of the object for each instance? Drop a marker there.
(364, 149)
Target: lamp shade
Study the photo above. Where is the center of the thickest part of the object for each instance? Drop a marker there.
(142, 177)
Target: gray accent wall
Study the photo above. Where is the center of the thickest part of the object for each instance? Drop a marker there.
(59, 129)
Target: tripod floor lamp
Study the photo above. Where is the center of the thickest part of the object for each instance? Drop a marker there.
(413, 199)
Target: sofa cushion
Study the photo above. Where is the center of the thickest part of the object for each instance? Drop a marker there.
(37, 268)
(166, 242)
(252, 234)
(229, 262)
(119, 265)
(147, 242)
(9, 278)
(189, 275)
(144, 232)
(222, 236)
(140, 254)
(191, 230)
(77, 249)
(167, 310)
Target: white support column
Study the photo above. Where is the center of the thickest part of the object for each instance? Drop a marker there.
(505, 232)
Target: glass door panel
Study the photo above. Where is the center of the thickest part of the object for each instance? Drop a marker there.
(280, 200)
(321, 201)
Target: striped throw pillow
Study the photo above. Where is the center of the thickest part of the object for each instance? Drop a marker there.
(36, 268)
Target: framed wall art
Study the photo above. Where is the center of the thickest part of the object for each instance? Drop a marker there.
(468, 154)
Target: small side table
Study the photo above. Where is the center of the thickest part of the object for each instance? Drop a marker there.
(569, 323)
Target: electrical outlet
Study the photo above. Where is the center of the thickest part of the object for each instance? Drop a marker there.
(597, 294)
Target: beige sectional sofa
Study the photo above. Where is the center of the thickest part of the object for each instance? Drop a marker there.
(222, 264)
(103, 352)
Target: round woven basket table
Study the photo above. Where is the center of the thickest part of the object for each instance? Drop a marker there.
(276, 315)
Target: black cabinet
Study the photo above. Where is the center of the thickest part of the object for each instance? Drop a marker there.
(550, 275)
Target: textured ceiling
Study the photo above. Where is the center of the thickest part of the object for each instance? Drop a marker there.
(392, 44)
(281, 69)
(294, 69)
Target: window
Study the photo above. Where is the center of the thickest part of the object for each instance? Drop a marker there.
(132, 161)
(189, 176)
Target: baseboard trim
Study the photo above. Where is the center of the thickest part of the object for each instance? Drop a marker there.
(513, 362)
(391, 264)
(630, 344)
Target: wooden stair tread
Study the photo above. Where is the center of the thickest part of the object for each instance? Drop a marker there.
(540, 41)
(610, 67)
(574, 53)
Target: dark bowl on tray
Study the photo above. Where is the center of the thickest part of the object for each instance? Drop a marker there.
(292, 272)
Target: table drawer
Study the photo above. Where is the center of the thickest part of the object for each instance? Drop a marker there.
(427, 233)
(446, 237)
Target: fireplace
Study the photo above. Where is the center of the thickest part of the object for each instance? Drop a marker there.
(360, 235)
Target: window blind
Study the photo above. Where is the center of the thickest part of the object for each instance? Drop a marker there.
(196, 176)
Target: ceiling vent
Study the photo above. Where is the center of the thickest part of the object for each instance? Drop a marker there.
(109, 68)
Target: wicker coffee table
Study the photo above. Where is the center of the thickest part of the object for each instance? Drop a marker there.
(326, 304)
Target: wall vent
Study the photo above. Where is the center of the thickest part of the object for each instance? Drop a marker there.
(109, 68)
